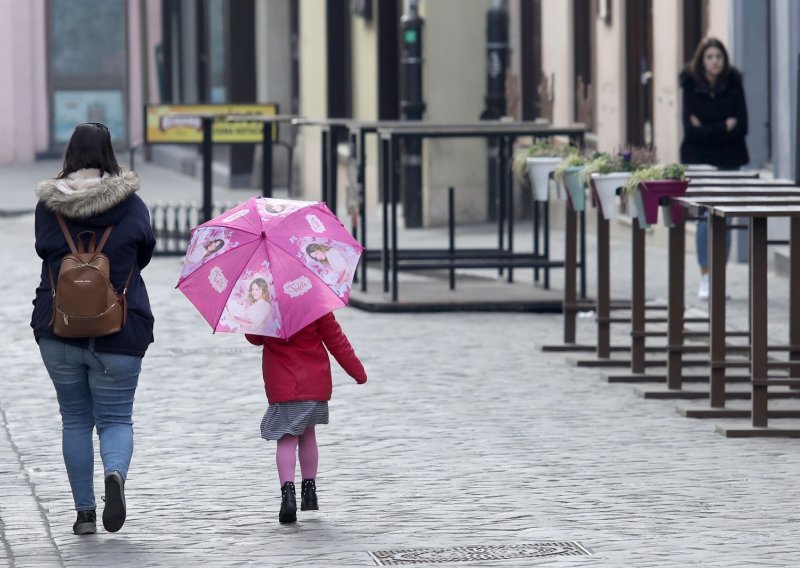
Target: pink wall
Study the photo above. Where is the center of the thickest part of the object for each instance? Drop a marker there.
(24, 104)
(23, 93)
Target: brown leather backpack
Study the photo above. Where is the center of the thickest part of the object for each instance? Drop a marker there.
(85, 303)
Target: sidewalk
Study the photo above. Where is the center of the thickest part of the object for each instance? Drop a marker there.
(465, 434)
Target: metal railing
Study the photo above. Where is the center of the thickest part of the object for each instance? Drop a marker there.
(172, 223)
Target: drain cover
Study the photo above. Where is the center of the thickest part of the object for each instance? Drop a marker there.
(472, 553)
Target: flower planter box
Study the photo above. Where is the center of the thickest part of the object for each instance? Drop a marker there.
(604, 192)
(650, 193)
(576, 193)
(629, 205)
(539, 170)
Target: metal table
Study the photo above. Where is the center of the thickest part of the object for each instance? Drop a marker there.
(759, 364)
(505, 133)
(712, 187)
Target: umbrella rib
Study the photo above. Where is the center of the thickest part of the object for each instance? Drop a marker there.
(308, 270)
(220, 255)
(219, 314)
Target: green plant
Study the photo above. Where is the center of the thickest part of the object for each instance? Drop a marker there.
(658, 171)
(570, 161)
(542, 147)
(599, 163)
(626, 159)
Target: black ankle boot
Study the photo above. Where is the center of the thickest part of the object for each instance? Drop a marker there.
(308, 496)
(86, 523)
(288, 512)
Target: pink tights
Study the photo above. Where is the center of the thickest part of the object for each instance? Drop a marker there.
(287, 451)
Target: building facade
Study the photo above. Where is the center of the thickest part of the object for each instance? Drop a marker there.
(611, 64)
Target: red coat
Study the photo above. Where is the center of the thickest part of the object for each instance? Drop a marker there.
(298, 368)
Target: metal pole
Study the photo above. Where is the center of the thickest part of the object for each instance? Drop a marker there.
(496, 62)
(266, 161)
(451, 233)
(411, 108)
(208, 156)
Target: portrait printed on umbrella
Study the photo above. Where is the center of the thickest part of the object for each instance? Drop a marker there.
(207, 243)
(251, 307)
(270, 208)
(334, 262)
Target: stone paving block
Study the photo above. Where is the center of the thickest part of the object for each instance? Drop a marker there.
(464, 434)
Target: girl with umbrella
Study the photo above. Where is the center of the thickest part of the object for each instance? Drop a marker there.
(297, 380)
(300, 329)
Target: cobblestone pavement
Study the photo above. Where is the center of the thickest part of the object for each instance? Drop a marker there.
(465, 434)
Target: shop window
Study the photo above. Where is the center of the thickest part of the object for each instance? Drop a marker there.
(87, 66)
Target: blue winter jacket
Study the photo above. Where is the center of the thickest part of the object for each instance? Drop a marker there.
(88, 202)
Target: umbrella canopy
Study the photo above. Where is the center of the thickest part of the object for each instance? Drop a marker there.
(269, 266)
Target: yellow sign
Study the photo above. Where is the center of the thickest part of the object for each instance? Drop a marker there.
(182, 124)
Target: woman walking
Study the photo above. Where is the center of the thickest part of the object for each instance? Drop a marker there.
(95, 378)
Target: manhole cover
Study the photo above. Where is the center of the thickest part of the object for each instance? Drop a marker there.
(472, 553)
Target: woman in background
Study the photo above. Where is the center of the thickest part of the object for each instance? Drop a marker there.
(714, 123)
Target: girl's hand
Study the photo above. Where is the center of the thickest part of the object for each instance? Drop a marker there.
(696, 121)
(730, 123)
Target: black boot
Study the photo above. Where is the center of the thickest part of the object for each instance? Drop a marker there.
(308, 496)
(288, 512)
(86, 523)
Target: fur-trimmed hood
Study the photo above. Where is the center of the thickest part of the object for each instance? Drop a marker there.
(83, 194)
(732, 79)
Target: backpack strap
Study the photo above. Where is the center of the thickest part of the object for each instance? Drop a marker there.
(67, 236)
(103, 240)
(124, 296)
(52, 294)
(73, 249)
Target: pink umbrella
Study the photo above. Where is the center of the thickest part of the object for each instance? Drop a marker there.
(269, 266)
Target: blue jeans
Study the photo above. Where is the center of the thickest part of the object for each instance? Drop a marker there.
(94, 390)
(701, 242)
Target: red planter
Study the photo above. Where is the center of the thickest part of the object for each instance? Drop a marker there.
(652, 192)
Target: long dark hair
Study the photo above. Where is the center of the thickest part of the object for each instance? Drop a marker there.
(90, 147)
(696, 64)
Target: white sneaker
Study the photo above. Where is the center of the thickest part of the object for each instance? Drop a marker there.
(702, 290)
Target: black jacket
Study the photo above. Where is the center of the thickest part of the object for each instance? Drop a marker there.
(88, 203)
(711, 143)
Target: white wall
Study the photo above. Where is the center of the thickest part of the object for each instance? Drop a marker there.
(610, 116)
(454, 86)
(719, 18)
(313, 99)
(667, 64)
(273, 73)
(557, 57)
(364, 47)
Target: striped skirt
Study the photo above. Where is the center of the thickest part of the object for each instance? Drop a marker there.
(292, 418)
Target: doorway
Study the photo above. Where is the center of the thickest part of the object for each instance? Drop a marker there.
(639, 76)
